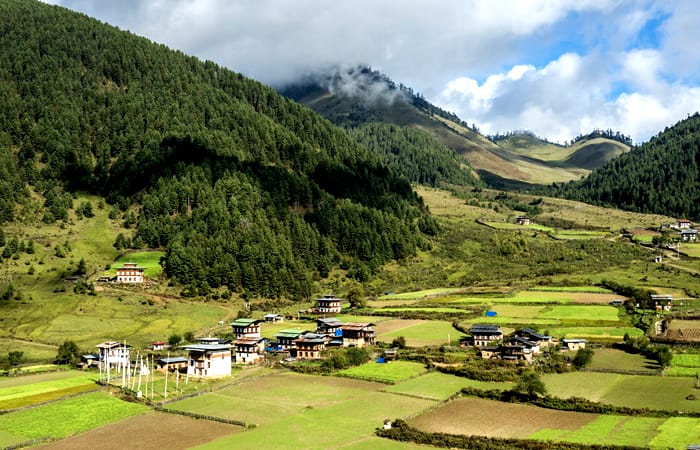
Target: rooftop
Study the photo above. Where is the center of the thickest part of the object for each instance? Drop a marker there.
(245, 322)
(483, 328)
(207, 347)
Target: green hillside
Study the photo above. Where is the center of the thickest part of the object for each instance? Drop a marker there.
(358, 97)
(240, 186)
(660, 176)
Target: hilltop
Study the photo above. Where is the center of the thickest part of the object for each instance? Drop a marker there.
(360, 96)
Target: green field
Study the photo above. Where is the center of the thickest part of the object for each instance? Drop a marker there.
(421, 332)
(148, 260)
(581, 312)
(440, 386)
(612, 359)
(34, 390)
(684, 365)
(436, 292)
(65, 418)
(591, 289)
(390, 372)
(634, 391)
(602, 333)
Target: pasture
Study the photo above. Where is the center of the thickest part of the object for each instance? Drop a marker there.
(390, 372)
(77, 415)
(418, 333)
(474, 416)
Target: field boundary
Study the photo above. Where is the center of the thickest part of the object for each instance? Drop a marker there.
(650, 372)
(211, 389)
(205, 417)
(29, 443)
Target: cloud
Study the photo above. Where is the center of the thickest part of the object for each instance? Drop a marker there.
(553, 67)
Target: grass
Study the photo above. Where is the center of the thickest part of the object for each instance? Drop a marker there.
(76, 415)
(391, 372)
(602, 333)
(436, 292)
(612, 359)
(684, 365)
(591, 289)
(149, 260)
(32, 393)
(440, 386)
(420, 333)
(580, 312)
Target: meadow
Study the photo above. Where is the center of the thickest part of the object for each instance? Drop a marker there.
(390, 372)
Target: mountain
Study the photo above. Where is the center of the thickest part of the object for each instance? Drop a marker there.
(242, 187)
(358, 96)
(660, 176)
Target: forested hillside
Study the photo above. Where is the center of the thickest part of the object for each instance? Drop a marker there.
(661, 176)
(242, 187)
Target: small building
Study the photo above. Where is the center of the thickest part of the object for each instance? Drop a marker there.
(542, 340)
(658, 259)
(246, 328)
(329, 326)
(285, 339)
(683, 224)
(573, 344)
(130, 273)
(208, 360)
(113, 354)
(157, 346)
(310, 346)
(172, 364)
(484, 335)
(87, 361)
(273, 318)
(357, 334)
(689, 235)
(490, 352)
(249, 350)
(522, 220)
(329, 304)
(212, 340)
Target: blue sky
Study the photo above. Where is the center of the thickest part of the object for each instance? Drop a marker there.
(555, 67)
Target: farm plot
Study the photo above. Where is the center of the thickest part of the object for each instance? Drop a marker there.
(418, 333)
(42, 388)
(440, 386)
(581, 312)
(331, 411)
(664, 393)
(390, 372)
(596, 333)
(473, 416)
(33, 351)
(77, 414)
(688, 330)
(150, 430)
(684, 365)
(612, 359)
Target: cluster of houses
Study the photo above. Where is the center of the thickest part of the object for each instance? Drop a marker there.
(684, 228)
(522, 345)
(212, 357)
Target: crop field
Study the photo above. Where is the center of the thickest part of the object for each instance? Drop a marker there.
(390, 372)
(692, 250)
(542, 297)
(150, 430)
(473, 416)
(331, 411)
(612, 359)
(586, 289)
(418, 333)
(667, 393)
(580, 312)
(36, 391)
(440, 386)
(426, 293)
(688, 330)
(77, 414)
(149, 260)
(600, 333)
(684, 365)
(426, 309)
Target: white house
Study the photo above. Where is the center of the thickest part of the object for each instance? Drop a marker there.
(208, 360)
(113, 354)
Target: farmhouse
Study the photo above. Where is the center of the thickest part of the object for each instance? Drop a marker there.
(689, 235)
(246, 328)
(87, 361)
(573, 344)
(157, 346)
(208, 360)
(330, 326)
(662, 302)
(532, 336)
(273, 318)
(358, 334)
(310, 346)
(113, 354)
(212, 340)
(249, 350)
(522, 220)
(683, 224)
(130, 273)
(484, 335)
(329, 304)
(286, 338)
(172, 364)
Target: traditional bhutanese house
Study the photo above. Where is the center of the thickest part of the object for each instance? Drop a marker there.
(489, 352)
(683, 224)
(531, 335)
(208, 360)
(130, 273)
(522, 220)
(329, 304)
(273, 318)
(520, 347)
(246, 328)
(212, 340)
(330, 326)
(249, 350)
(573, 344)
(358, 334)
(484, 335)
(113, 354)
(286, 338)
(310, 346)
(157, 346)
(662, 302)
(172, 364)
(87, 361)
(689, 235)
